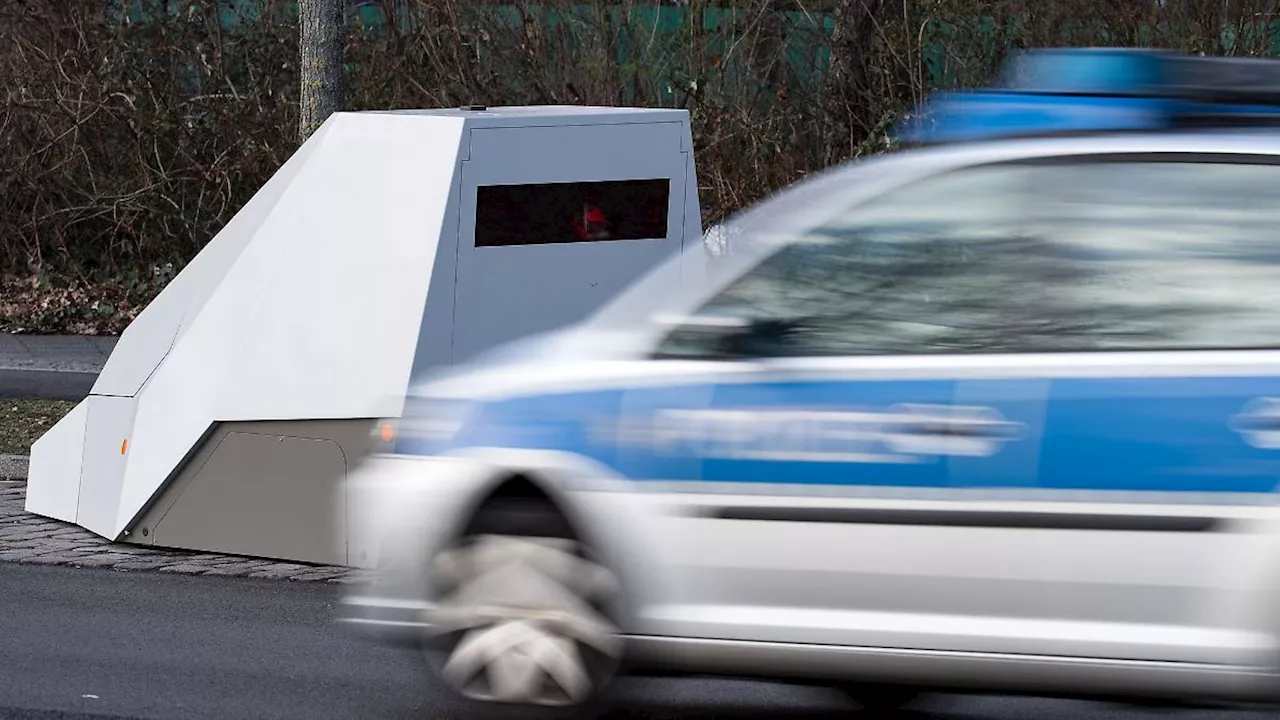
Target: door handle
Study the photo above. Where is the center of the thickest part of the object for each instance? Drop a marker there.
(1256, 423)
(952, 430)
(961, 427)
(1259, 423)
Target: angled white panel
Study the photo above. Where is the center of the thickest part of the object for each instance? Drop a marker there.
(53, 478)
(693, 265)
(210, 266)
(319, 316)
(433, 350)
(144, 343)
(147, 340)
(351, 248)
(107, 432)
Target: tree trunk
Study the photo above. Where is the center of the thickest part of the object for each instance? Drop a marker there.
(320, 47)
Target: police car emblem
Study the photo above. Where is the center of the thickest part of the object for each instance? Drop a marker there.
(907, 433)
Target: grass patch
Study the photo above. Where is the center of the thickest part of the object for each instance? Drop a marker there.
(22, 422)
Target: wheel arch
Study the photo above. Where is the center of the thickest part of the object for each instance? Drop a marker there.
(553, 478)
(526, 484)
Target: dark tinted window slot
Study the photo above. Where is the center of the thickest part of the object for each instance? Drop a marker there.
(551, 213)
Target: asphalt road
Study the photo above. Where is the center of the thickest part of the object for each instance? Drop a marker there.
(21, 383)
(80, 643)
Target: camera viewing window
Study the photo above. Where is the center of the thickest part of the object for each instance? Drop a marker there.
(551, 213)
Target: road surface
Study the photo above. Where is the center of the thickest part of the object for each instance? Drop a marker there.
(82, 643)
(51, 367)
(22, 383)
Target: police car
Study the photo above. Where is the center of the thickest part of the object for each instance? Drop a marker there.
(1000, 412)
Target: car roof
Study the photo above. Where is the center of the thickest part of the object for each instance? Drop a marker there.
(1239, 142)
(843, 183)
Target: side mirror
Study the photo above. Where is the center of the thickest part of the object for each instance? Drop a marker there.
(717, 336)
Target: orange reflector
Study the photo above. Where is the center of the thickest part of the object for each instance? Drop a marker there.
(124, 445)
(387, 434)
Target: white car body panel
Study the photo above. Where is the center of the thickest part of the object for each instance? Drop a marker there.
(1036, 609)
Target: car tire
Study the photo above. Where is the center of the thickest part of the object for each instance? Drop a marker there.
(525, 615)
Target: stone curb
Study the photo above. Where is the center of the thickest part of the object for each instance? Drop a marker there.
(35, 540)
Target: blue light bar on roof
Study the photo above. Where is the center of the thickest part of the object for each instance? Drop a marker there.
(973, 116)
(1080, 90)
(1085, 71)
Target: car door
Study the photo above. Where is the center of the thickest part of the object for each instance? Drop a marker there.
(815, 501)
(1143, 326)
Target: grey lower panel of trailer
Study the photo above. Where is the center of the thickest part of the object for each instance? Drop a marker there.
(263, 489)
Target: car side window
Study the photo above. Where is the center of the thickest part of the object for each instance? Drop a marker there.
(917, 270)
(1165, 255)
(1079, 255)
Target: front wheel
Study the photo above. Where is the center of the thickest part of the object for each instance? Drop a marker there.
(524, 614)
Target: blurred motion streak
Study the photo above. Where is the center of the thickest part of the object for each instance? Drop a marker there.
(1001, 412)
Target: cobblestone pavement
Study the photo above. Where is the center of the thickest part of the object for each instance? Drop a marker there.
(35, 540)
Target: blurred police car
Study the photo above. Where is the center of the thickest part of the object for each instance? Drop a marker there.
(1002, 413)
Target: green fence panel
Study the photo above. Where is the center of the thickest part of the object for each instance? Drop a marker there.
(658, 64)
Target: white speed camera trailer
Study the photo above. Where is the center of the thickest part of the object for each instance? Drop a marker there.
(389, 244)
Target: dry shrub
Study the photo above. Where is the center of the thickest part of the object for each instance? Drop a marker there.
(129, 144)
(132, 131)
